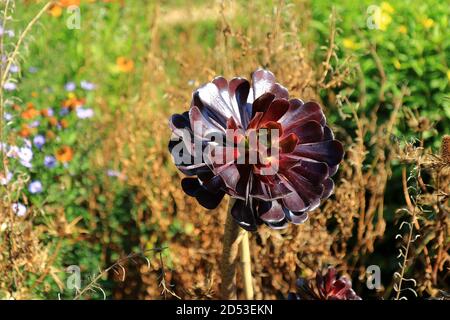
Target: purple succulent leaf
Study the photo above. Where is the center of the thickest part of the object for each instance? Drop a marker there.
(308, 132)
(272, 212)
(264, 81)
(328, 186)
(243, 215)
(330, 152)
(299, 113)
(275, 111)
(262, 104)
(297, 218)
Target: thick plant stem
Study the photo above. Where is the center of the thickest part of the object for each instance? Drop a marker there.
(229, 257)
(246, 264)
(235, 239)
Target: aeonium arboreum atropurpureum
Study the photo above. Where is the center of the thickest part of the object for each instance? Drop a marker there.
(273, 154)
(327, 286)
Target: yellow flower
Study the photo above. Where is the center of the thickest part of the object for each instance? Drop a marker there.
(386, 7)
(403, 29)
(448, 75)
(427, 23)
(349, 43)
(382, 19)
(397, 64)
(71, 95)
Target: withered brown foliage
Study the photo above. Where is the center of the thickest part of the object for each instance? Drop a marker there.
(428, 200)
(23, 253)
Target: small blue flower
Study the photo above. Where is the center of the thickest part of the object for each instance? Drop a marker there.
(86, 85)
(35, 187)
(35, 124)
(50, 161)
(70, 86)
(112, 173)
(8, 116)
(64, 111)
(50, 112)
(25, 156)
(33, 70)
(14, 68)
(8, 32)
(10, 86)
(4, 180)
(39, 141)
(84, 113)
(19, 209)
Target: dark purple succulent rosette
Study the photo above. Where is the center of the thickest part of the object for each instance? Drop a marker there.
(326, 287)
(307, 153)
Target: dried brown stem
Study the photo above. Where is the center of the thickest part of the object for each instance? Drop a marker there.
(231, 239)
(246, 264)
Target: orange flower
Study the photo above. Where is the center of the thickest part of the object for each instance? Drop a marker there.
(73, 102)
(68, 3)
(26, 131)
(30, 105)
(53, 121)
(64, 154)
(64, 123)
(122, 2)
(34, 94)
(55, 10)
(50, 135)
(124, 64)
(45, 112)
(29, 114)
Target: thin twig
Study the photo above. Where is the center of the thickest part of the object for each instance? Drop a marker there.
(330, 50)
(93, 284)
(20, 40)
(413, 211)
